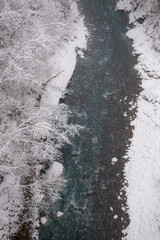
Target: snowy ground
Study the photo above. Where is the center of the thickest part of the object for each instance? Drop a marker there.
(143, 168)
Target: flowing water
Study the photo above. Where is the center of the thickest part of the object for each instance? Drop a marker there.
(91, 200)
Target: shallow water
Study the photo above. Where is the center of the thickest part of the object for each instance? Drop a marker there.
(97, 100)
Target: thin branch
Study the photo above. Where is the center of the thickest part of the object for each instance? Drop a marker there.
(17, 30)
(45, 84)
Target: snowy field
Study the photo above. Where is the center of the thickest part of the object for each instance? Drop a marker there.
(143, 168)
(38, 56)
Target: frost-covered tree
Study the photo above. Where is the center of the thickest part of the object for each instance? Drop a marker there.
(32, 132)
(146, 12)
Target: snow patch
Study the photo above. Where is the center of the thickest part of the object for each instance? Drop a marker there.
(59, 214)
(55, 171)
(43, 220)
(111, 208)
(114, 160)
(63, 61)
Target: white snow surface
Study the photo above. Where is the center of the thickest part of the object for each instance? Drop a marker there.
(63, 62)
(43, 220)
(143, 168)
(55, 170)
(59, 214)
(114, 160)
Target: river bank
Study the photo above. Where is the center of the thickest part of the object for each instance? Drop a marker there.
(142, 169)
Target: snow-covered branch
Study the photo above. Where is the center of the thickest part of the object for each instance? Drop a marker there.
(33, 127)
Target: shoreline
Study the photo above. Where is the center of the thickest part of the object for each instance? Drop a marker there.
(142, 169)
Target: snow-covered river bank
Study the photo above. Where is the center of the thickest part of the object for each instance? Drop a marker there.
(143, 168)
(38, 55)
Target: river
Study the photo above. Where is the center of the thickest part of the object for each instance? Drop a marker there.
(91, 200)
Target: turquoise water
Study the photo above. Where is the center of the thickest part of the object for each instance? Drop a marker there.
(98, 87)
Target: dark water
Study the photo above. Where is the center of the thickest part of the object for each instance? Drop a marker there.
(99, 85)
